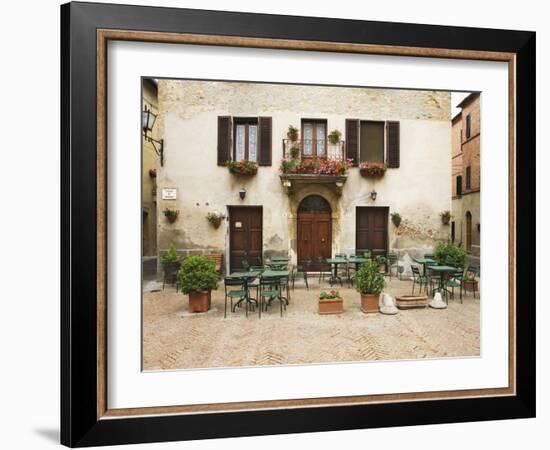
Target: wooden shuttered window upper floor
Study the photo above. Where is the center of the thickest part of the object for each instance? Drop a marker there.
(373, 141)
(244, 139)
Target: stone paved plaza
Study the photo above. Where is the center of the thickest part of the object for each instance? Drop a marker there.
(177, 339)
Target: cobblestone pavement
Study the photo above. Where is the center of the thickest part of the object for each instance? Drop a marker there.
(173, 338)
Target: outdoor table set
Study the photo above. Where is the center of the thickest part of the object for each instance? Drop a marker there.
(443, 271)
(339, 260)
(273, 275)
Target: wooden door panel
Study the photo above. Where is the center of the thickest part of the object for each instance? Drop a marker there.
(371, 230)
(314, 237)
(245, 240)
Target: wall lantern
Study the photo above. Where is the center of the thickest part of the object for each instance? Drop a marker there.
(148, 119)
(478, 227)
(242, 193)
(373, 195)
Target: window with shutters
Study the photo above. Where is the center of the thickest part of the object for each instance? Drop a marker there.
(314, 138)
(459, 185)
(245, 137)
(468, 178)
(468, 126)
(373, 141)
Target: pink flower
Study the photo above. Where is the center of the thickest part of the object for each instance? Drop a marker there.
(332, 292)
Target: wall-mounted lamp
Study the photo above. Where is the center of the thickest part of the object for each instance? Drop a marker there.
(373, 195)
(148, 119)
(242, 193)
(478, 227)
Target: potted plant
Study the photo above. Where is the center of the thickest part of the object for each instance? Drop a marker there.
(367, 254)
(396, 219)
(292, 133)
(445, 217)
(215, 218)
(242, 167)
(369, 283)
(197, 277)
(330, 302)
(469, 281)
(294, 152)
(450, 254)
(152, 173)
(335, 136)
(170, 262)
(372, 169)
(171, 214)
(381, 263)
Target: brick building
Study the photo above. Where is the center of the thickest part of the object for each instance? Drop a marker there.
(465, 225)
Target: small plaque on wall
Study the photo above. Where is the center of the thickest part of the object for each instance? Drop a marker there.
(169, 193)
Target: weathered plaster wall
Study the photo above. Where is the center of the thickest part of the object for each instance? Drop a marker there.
(419, 189)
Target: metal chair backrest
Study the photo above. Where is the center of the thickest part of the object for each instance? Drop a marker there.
(269, 281)
(415, 271)
(244, 264)
(233, 281)
(428, 255)
(392, 257)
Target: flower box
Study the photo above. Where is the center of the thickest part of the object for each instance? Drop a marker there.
(411, 301)
(330, 302)
(247, 168)
(372, 169)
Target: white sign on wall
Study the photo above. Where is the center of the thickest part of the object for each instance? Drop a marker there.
(169, 193)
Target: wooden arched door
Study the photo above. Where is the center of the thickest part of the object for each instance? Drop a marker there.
(314, 237)
(468, 231)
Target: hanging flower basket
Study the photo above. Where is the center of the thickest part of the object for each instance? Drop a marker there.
(215, 218)
(396, 219)
(292, 133)
(171, 214)
(372, 169)
(445, 217)
(152, 173)
(248, 168)
(335, 136)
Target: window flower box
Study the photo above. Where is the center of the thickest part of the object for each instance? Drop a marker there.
(248, 168)
(328, 166)
(372, 169)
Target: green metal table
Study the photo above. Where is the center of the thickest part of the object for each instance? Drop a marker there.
(247, 276)
(443, 277)
(335, 262)
(425, 261)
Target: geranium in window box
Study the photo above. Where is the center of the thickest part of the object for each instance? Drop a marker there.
(372, 169)
(330, 302)
(242, 167)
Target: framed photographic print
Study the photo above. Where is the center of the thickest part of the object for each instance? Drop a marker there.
(273, 224)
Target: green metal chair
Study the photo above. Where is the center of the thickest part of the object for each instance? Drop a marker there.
(245, 265)
(419, 279)
(455, 281)
(324, 268)
(238, 294)
(300, 271)
(392, 263)
(270, 289)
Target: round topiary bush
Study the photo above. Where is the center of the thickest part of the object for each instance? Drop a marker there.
(197, 274)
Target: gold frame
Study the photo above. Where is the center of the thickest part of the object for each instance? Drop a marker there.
(103, 36)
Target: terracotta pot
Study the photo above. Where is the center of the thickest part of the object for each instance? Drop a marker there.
(411, 301)
(382, 268)
(445, 220)
(217, 223)
(470, 285)
(369, 303)
(172, 219)
(293, 136)
(331, 306)
(199, 301)
(396, 222)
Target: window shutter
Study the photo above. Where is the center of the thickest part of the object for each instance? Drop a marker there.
(352, 140)
(392, 139)
(224, 139)
(264, 157)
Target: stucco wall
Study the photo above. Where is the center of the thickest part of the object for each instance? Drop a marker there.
(419, 190)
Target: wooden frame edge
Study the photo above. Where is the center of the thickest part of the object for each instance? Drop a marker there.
(103, 36)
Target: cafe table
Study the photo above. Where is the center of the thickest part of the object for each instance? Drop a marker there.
(357, 260)
(270, 273)
(443, 277)
(335, 262)
(424, 262)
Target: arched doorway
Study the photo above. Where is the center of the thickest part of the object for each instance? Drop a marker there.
(468, 231)
(314, 237)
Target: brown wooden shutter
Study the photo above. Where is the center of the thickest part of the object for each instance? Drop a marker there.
(392, 139)
(352, 140)
(224, 139)
(264, 155)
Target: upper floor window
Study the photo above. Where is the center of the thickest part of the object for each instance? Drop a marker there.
(468, 178)
(246, 139)
(371, 141)
(459, 185)
(314, 137)
(468, 126)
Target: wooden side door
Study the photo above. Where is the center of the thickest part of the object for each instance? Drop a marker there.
(371, 231)
(245, 236)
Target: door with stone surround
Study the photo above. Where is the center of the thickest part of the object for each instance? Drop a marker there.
(314, 231)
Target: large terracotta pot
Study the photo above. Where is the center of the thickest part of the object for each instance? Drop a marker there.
(199, 301)
(331, 306)
(411, 301)
(217, 223)
(470, 285)
(369, 303)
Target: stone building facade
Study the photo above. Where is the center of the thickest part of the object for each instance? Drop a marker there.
(305, 215)
(465, 180)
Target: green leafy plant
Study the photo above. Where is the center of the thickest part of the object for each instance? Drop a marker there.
(396, 218)
(215, 217)
(445, 216)
(294, 152)
(448, 253)
(335, 136)
(367, 254)
(369, 280)
(242, 167)
(332, 294)
(197, 274)
(171, 214)
(171, 255)
(292, 133)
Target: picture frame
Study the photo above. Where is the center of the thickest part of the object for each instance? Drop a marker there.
(86, 28)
